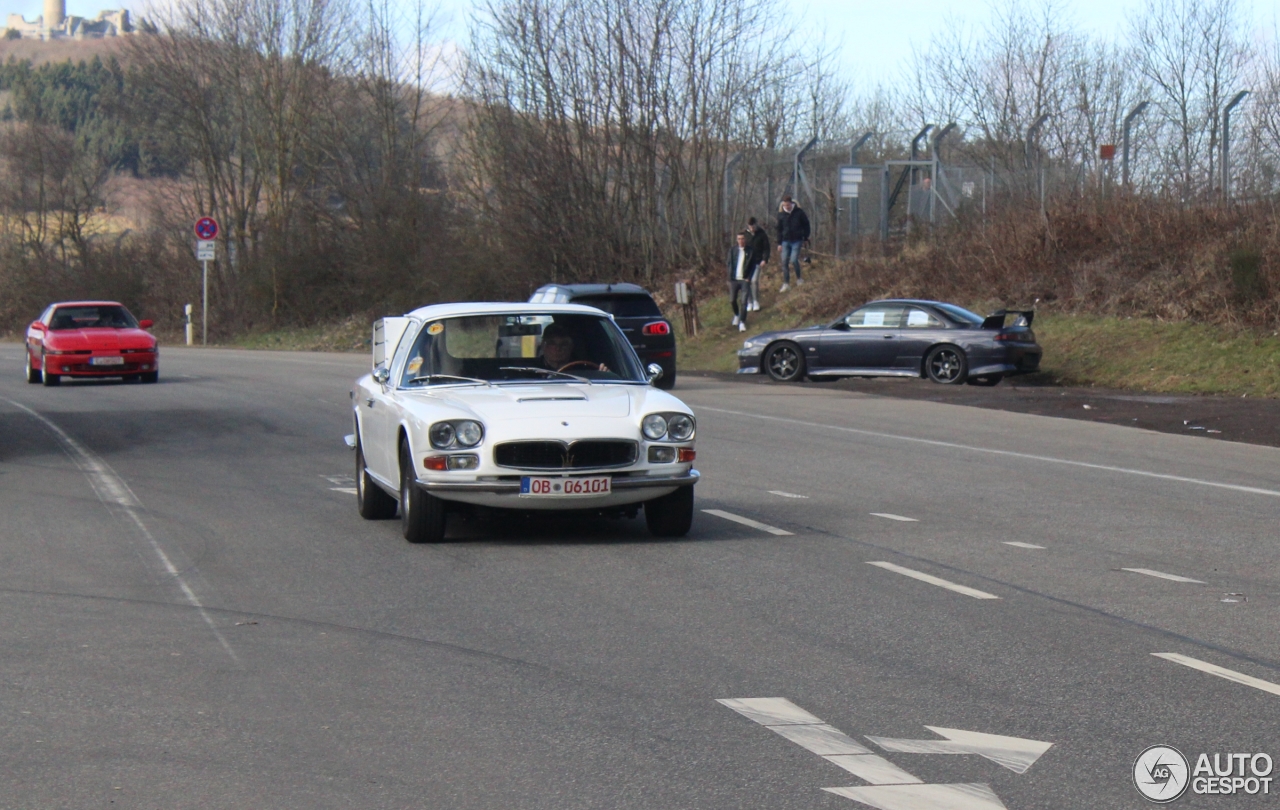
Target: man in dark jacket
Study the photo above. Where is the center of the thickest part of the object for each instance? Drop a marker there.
(760, 251)
(793, 231)
(738, 263)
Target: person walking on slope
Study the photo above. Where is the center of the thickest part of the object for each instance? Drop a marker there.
(759, 247)
(740, 270)
(793, 231)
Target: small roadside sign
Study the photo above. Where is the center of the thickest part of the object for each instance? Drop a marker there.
(849, 180)
(206, 229)
(206, 250)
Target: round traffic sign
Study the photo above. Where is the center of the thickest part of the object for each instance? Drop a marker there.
(207, 228)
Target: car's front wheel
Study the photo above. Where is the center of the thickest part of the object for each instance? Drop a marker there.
(33, 373)
(784, 363)
(421, 513)
(45, 376)
(371, 501)
(946, 365)
(671, 515)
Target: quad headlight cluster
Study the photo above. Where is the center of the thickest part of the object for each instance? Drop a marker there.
(455, 434)
(672, 427)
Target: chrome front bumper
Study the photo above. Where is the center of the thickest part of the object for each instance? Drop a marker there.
(513, 487)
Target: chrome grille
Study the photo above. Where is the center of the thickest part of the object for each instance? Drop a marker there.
(553, 455)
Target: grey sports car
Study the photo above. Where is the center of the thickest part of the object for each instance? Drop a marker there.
(900, 338)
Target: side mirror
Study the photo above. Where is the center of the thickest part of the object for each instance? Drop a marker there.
(146, 323)
(655, 372)
(381, 374)
(840, 326)
(38, 326)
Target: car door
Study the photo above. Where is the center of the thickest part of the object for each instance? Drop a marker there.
(866, 338)
(379, 409)
(920, 330)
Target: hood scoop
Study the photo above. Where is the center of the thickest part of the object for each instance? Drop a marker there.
(578, 398)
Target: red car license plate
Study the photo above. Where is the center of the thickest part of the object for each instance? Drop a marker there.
(536, 487)
(107, 361)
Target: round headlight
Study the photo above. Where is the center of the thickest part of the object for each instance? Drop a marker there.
(442, 435)
(654, 426)
(468, 433)
(680, 427)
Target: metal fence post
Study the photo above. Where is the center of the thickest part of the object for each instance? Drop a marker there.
(1226, 142)
(1124, 155)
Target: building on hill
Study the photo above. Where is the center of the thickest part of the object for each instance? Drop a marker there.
(55, 24)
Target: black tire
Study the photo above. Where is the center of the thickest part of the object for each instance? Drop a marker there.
(946, 365)
(671, 515)
(784, 362)
(149, 376)
(33, 374)
(48, 379)
(421, 513)
(986, 380)
(371, 501)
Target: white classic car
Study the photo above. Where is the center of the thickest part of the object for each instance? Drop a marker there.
(517, 406)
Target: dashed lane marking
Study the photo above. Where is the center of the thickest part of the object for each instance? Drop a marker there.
(1020, 544)
(347, 490)
(755, 524)
(1221, 672)
(1163, 575)
(888, 516)
(782, 494)
(932, 580)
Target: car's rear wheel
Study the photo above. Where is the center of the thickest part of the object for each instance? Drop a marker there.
(33, 374)
(422, 515)
(946, 365)
(784, 362)
(371, 501)
(986, 380)
(149, 376)
(45, 377)
(671, 515)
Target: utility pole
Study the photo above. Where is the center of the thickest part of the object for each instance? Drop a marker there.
(1226, 142)
(1124, 155)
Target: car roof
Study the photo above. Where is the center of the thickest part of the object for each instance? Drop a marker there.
(494, 308)
(88, 304)
(574, 290)
(915, 301)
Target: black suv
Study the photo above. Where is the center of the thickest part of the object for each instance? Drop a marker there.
(635, 312)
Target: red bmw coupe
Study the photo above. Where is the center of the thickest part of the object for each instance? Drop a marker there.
(90, 339)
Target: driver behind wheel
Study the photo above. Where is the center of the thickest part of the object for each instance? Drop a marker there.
(558, 348)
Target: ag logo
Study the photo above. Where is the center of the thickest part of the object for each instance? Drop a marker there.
(1161, 773)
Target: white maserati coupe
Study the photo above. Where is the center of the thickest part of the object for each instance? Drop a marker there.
(517, 406)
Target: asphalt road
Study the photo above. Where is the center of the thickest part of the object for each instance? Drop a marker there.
(194, 616)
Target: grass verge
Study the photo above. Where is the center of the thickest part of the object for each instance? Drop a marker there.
(351, 335)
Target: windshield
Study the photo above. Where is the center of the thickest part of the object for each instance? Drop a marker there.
(104, 316)
(520, 348)
(960, 313)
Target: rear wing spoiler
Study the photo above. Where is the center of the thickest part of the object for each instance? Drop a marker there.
(996, 319)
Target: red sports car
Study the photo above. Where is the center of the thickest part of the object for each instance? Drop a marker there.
(90, 339)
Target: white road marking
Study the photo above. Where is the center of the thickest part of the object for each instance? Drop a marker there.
(1021, 544)
(785, 718)
(755, 524)
(1009, 453)
(114, 492)
(1163, 575)
(924, 797)
(347, 490)
(787, 494)
(932, 580)
(1015, 753)
(894, 517)
(1221, 672)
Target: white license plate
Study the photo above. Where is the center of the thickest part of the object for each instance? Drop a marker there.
(536, 487)
(107, 361)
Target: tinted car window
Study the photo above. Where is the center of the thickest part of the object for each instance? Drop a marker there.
(623, 306)
(920, 319)
(87, 317)
(876, 316)
(961, 314)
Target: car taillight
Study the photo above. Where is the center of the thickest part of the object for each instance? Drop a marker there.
(1021, 337)
(657, 328)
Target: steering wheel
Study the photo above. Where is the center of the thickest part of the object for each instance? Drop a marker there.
(594, 366)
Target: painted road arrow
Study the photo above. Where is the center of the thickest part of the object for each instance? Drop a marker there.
(1013, 753)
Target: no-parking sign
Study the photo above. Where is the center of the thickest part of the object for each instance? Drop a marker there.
(207, 228)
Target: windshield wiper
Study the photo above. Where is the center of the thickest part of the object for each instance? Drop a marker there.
(545, 372)
(429, 377)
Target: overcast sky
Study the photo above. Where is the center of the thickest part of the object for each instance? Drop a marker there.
(876, 37)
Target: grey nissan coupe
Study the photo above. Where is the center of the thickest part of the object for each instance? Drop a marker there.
(946, 343)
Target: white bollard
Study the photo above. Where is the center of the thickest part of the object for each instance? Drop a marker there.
(187, 312)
